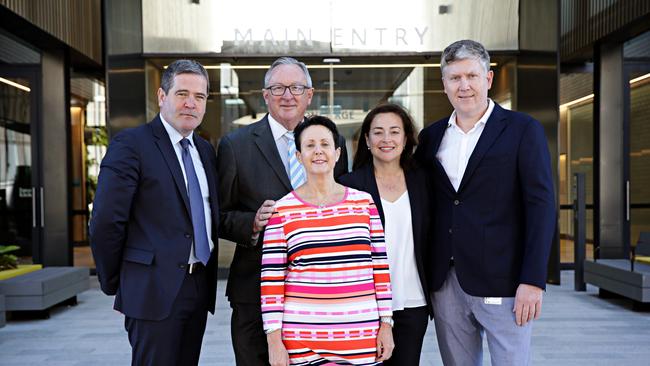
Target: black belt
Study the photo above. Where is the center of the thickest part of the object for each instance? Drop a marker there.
(195, 268)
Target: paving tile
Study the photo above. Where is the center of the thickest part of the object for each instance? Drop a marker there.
(576, 328)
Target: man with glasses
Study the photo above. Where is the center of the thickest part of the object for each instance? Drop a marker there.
(257, 165)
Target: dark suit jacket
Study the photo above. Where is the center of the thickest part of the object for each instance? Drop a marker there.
(250, 172)
(141, 228)
(499, 225)
(364, 179)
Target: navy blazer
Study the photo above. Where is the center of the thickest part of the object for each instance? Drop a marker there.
(363, 179)
(141, 228)
(499, 226)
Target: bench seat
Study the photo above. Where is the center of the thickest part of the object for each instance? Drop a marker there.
(614, 275)
(39, 290)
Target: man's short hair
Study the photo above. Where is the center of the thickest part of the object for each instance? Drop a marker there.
(287, 61)
(182, 67)
(462, 50)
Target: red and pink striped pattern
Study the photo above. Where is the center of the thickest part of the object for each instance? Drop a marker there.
(325, 279)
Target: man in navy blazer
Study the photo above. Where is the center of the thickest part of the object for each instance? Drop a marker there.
(494, 206)
(154, 226)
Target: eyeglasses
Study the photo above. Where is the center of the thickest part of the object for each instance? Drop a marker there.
(278, 90)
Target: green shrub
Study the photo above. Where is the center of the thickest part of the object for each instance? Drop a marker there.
(8, 261)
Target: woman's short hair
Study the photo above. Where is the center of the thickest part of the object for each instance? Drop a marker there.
(316, 121)
(363, 155)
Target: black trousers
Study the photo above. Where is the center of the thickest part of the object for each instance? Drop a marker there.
(177, 339)
(408, 334)
(248, 338)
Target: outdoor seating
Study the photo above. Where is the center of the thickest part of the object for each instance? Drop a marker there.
(626, 277)
(42, 289)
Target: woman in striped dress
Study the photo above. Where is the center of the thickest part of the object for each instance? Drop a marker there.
(325, 283)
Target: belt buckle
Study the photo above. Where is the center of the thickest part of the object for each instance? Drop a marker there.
(192, 267)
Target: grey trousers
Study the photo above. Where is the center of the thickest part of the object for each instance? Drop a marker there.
(462, 319)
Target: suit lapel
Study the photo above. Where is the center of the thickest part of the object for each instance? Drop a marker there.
(371, 185)
(264, 140)
(439, 133)
(169, 155)
(493, 127)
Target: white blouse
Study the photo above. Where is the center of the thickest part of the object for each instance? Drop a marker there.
(398, 230)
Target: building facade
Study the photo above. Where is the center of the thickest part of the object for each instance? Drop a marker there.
(93, 67)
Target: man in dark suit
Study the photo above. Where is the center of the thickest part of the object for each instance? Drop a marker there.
(495, 216)
(256, 167)
(154, 224)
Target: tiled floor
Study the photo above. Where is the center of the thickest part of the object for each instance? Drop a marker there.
(576, 328)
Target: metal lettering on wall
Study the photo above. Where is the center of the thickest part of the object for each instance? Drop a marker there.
(307, 27)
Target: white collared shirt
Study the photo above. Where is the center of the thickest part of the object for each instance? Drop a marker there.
(457, 146)
(175, 137)
(281, 142)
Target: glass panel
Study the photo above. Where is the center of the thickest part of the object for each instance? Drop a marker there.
(639, 155)
(16, 192)
(576, 157)
(637, 53)
(88, 146)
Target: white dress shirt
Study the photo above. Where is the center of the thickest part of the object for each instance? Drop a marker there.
(398, 233)
(457, 146)
(281, 141)
(175, 137)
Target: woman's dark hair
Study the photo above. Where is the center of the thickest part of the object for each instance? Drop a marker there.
(316, 121)
(363, 155)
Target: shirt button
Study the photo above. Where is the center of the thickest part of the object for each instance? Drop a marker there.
(187, 235)
(456, 202)
(450, 231)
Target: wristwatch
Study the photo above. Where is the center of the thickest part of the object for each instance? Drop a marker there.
(387, 319)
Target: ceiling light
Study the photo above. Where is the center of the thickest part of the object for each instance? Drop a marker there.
(15, 85)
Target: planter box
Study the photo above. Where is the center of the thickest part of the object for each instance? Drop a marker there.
(21, 270)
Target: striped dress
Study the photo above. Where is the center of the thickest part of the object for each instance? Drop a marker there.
(325, 279)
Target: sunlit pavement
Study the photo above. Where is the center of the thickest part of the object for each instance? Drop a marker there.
(576, 328)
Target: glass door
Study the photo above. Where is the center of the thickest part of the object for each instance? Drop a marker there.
(20, 193)
(637, 68)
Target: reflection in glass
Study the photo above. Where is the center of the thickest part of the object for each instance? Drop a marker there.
(15, 165)
(576, 157)
(639, 157)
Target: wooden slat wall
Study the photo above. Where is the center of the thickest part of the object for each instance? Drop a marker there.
(78, 23)
(585, 21)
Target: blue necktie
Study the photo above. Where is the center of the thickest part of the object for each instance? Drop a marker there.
(201, 245)
(296, 170)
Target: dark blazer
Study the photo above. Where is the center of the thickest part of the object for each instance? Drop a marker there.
(140, 231)
(364, 179)
(499, 226)
(250, 172)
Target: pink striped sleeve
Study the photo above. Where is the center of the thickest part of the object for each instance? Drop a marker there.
(381, 273)
(274, 271)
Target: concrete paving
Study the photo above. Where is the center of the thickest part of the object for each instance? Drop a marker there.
(576, 328)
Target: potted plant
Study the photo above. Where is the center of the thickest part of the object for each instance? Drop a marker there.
(7, 260)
